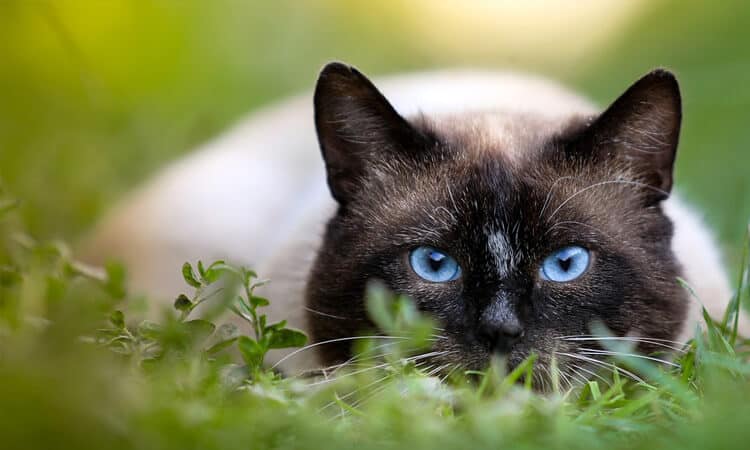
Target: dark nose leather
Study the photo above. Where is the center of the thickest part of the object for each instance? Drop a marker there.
(499, 326)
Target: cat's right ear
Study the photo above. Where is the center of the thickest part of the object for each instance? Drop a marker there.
(638, 134)
(358, 129)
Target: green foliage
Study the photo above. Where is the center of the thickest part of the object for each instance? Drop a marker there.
(76, 372)
(398, 316)
(183, 337)
(88, 107)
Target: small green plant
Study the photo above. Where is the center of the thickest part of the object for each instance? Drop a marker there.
(217, 287)
(265, 336)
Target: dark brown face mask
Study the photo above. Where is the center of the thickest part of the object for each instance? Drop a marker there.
(508, 257)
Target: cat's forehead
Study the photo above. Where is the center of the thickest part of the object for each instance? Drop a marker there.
(503, 164)
(514, 136)
(499, 178)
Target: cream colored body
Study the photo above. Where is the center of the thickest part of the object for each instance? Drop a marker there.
(257, 195)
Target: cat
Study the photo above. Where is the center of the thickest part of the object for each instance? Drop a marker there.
(509, 208)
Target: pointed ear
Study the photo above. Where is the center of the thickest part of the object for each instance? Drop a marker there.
(357, 129)
(640, 132)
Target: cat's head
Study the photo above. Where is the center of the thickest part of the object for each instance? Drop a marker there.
(512, 245)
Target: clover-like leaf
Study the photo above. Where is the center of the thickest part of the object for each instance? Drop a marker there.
(287, 337)
(215, 271)
(199, 330)
(189, 275)
(259, 301)
(274, 326)
(183, 303)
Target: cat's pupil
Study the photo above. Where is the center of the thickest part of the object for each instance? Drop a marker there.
(436, 260)
(565, 263)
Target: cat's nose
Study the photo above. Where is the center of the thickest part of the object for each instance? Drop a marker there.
(500, 327)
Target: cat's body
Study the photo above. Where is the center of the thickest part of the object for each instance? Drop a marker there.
(257, 196)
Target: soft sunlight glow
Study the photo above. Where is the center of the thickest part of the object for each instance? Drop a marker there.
(529, 31)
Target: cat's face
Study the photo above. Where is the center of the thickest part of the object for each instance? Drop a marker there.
(511, 252)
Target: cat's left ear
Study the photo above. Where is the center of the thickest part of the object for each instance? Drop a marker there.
(640, 132)
(359, 131)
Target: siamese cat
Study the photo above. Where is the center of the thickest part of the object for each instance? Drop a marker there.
(512, 211)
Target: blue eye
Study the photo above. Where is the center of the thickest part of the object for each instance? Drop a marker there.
(433, 265)
(565, 264)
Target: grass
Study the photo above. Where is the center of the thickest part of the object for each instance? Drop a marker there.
(76, 373)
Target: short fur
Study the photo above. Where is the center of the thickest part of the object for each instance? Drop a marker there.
(597, 183)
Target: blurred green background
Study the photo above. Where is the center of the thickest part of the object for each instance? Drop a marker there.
(97, 95)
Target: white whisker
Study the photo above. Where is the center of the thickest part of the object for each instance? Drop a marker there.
(349, 374)
(378, 366)
(356, 360)
(607, 365)
(330, 341)
(449, 373)
(579, 377)
(372, 395)
(549, 193)
(437, 370)
(591, 336)
(565, 378)
(592, 351)
(592, 373)
(603, 183)
(320, 313)
(361, 388)
(653, 341)
(573, 222)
